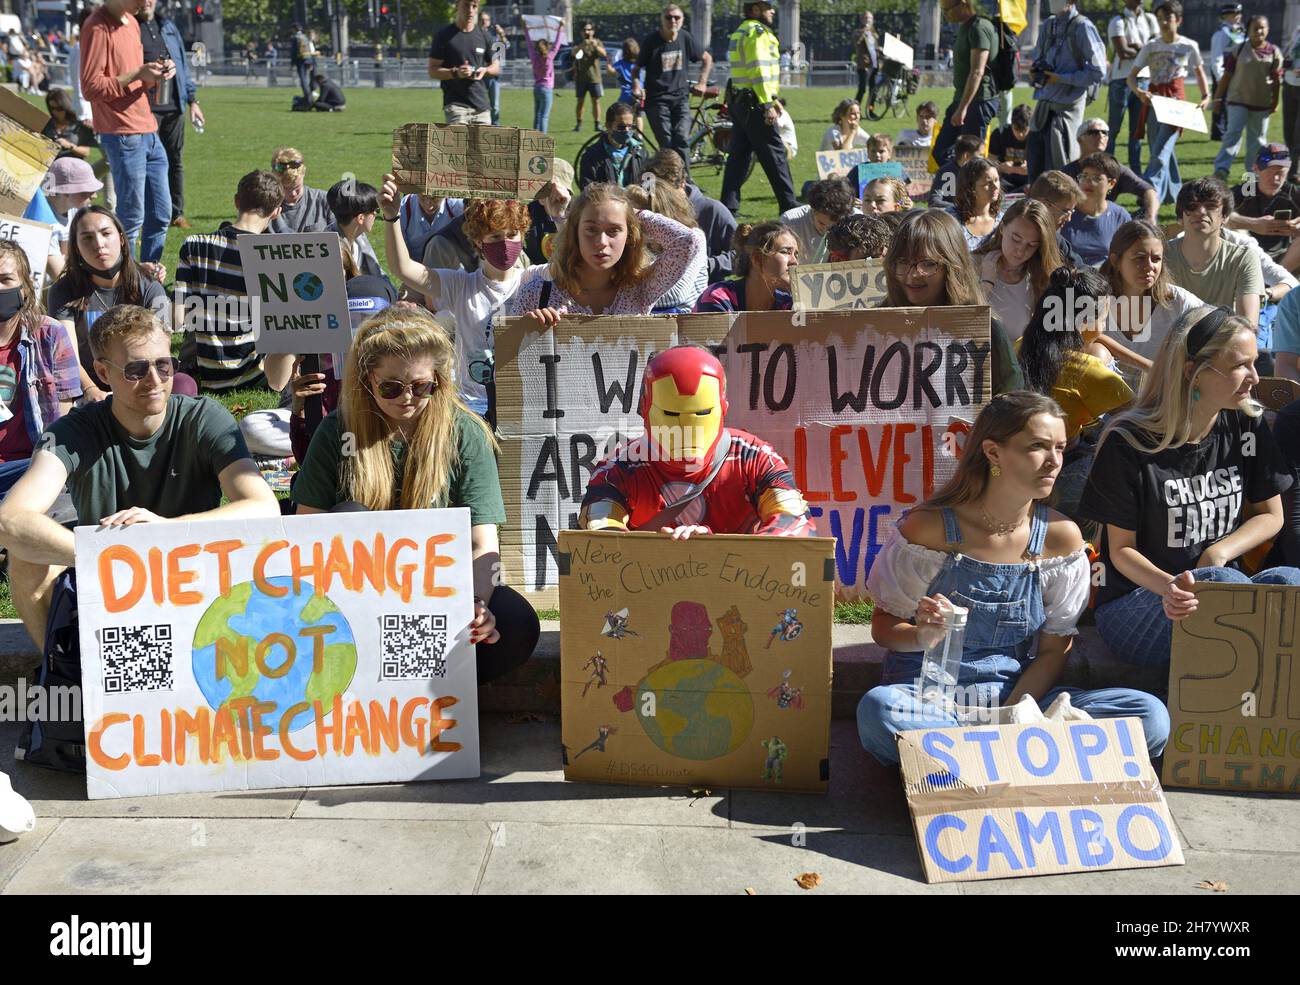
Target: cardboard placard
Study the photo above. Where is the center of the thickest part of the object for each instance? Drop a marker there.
(25, 155)
(864, 174)
(1179, 113)
(34, 239)
(837, 163)
(468, 161)
(297, 291)
(703, 661)
(916, 162)
(856, 402)
(243, 654)
(1234, 691)
(994, 802)
(897, 50)
(837, 286)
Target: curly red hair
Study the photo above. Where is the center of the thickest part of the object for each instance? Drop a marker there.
(488, 215)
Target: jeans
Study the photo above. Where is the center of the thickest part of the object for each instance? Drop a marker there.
(1162, 170)
(494, 98)
(978, 117)
(670, 119)
(543, 97)
(864, 83)
(171, 131)
(1136, 629)
(1120, 99)
(1254, 122)
(305, 70)
(144, 200)
(11, 472)
(1291, 123)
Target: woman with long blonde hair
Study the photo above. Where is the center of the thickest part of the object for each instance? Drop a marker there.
(1186, 482)
(987, 542)
(1016, 263)
(403, 439)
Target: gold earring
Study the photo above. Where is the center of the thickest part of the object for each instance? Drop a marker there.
(995, 470)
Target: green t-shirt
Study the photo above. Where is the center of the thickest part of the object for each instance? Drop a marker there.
(1233, 272)
(978, 32)
(172, 473)
(474, 481)
(586, 68)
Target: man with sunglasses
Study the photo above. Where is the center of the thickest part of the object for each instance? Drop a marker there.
(1094, 138)
(304, 209)
(666, 56)
(145, 455)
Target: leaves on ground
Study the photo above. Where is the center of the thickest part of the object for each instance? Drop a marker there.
(1216, 886)
(751, 891)
(808, 880)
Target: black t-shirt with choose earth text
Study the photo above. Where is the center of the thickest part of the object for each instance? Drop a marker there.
(454, 47)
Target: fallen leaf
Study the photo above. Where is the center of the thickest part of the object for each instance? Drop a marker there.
(239, 409)
(808, 880)
(698, 792)
(751, 891)
(1218, 887)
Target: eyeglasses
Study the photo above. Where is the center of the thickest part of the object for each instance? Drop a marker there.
(1060, 213)
(1096, 133)
(1091, 179)
(280, 167)
(396, 389)
(137, 369)
(672, 17)
(926, 268)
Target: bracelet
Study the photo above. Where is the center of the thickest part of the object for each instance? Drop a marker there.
(395, 218)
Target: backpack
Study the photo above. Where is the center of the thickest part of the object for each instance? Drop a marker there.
(58, 744)
(1003, 67)
(1072, 35)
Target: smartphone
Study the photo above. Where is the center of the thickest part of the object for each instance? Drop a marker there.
(1282, 215)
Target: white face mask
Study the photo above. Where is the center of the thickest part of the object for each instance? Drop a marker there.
(1059, 6)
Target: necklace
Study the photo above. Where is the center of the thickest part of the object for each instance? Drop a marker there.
(997, 527)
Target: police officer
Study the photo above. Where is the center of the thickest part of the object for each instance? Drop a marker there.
(755, 57)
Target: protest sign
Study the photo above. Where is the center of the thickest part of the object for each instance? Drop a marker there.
(542, 27)
(862, 175)
(916, 162)
(992, 802)
(34, 240)
(861, 405)
(837, 163)
(837, 286)
(1179, 113)
(465, 161)
(896, 50)
(652, 693)
(241, 654)
(25, 155)
(1234, 691)
(297, 291)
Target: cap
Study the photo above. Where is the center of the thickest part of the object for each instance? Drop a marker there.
(1272, 154)
(1230, 8)
(562, 174)
(69, 175)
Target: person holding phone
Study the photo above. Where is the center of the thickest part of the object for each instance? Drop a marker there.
(1267, 206)
(460, 57)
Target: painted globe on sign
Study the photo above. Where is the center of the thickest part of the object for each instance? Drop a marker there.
(702, 710)
(234, 625)
(308, 286)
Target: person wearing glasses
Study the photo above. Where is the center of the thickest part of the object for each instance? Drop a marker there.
(414, 444)
(1061, 194)
(146, 455)
(1095, 219)
(304, 209)
(1094, 138)
(618, 157)
(666, 55)
(586, 73)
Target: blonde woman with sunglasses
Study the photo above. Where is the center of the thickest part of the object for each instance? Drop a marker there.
(305, 210)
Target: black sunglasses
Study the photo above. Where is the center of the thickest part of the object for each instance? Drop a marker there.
(283, 166)
(396, 389)
(137, 369)
(1096, 133)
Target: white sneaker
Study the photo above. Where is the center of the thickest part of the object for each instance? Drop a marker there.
(16, 815)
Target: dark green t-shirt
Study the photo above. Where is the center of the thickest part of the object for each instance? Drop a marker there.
(474, 481)
(978, 32)
(587, 67)
(172, 473)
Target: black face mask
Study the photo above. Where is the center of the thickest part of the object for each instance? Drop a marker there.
(109, 272)
(11, 302)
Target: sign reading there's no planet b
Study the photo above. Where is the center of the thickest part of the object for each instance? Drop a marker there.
(296, 285)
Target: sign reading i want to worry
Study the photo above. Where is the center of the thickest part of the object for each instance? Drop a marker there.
(865, 407)
(235, 655)
(992, 802)
(297, 292)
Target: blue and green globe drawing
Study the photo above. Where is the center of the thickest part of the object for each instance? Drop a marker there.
(308, 286)
(702, 710)
(246, 617)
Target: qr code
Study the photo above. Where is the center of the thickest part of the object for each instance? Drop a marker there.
(137, 658)
(413, 647)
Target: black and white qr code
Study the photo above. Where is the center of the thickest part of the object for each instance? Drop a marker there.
(413, 647)
(136, 658)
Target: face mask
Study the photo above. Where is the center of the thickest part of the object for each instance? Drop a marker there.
(502, 254)
(11, 302)
(1059, 6)
(620, 137)
(111, 271)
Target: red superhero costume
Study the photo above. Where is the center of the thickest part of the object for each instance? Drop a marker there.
(683, 404)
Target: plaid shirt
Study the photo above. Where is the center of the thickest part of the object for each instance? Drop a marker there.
(50, 373)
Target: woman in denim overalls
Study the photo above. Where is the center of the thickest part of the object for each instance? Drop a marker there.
(1009, 464)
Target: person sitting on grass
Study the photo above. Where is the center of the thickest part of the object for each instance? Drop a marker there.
(857, 237)
(1095, 218)
(1007, 147)
(885, 195)
(926, 116)
(331, 98)
(943, 188)
(844, 132)
(829, 201)
(618, 157)
(979, 201)
(305, 209)
(354, 205)
(1204, 262)
(1094, 138)
(765, 254)
(879, 148)
(1016, 262)
(1061, 194)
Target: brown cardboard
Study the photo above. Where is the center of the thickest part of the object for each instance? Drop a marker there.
(468, 161)
(689, 617)
(25, 155)
(1234, 691)
(838, 286)
(994, 802)
(916, 162)
(860, 453)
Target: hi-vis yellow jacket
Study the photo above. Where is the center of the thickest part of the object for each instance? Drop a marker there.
(755, 57)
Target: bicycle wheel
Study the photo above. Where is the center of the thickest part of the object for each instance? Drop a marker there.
(880, 98)
(899, 104)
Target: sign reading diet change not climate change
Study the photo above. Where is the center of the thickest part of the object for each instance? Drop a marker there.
(296, 285)
(233, 655)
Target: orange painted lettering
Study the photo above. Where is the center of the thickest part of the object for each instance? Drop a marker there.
(413, 736)
(438, 724)
(259, 570)
(178, 579)
(95, 740)
(873, 467)
(137, 744)
(199, 726)
(901, 458)
(113, 602)
(156, 574)
(432, 561)
(383, 727)
(262, 730)
(838, 455)
(223, 549)
(402, 587)
(290, 652)
(303, 756)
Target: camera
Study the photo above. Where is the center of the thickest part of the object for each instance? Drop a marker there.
(1038, 74)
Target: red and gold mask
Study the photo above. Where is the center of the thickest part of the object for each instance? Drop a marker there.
(683, 403)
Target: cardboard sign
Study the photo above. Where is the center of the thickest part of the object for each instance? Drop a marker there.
(465, 161)
(864, 174)
(993, 802)
(838, 286)
(34, 239)
(1234, 691)
(857, 403)
(25, 155)
(916, 162)
(897, 50)
(837, 163)
(313, 650)
(1179, 113)
(296, 286)
(702, 661)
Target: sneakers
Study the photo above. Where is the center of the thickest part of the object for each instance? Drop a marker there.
(577, 126)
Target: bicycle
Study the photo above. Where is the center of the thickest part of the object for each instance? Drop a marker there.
(709, 139)
(890, 87)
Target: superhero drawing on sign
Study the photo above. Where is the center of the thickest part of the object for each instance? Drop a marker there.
(735, 654)
(785, 695)
(602, 736)
(689, 473)
(776, 753)
(689, 630)
(599, 668)
(616, 625)
(787, 629)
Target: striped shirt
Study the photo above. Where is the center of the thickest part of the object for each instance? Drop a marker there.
(217, 312)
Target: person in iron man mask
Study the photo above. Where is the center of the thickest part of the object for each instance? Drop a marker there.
(690, 474)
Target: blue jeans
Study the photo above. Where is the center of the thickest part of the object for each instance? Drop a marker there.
(978, 117)
(1162, 171)
(10, 473)
(494, 98)
(144, 199)
(1252, 122)
(543, 96)
(1136, 629)
(1121, 99)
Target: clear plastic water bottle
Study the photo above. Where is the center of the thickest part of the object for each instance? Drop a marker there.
(941, 665)
(198, 127)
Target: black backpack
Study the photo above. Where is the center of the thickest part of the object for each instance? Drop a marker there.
(58, 744)
(1003, 65)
